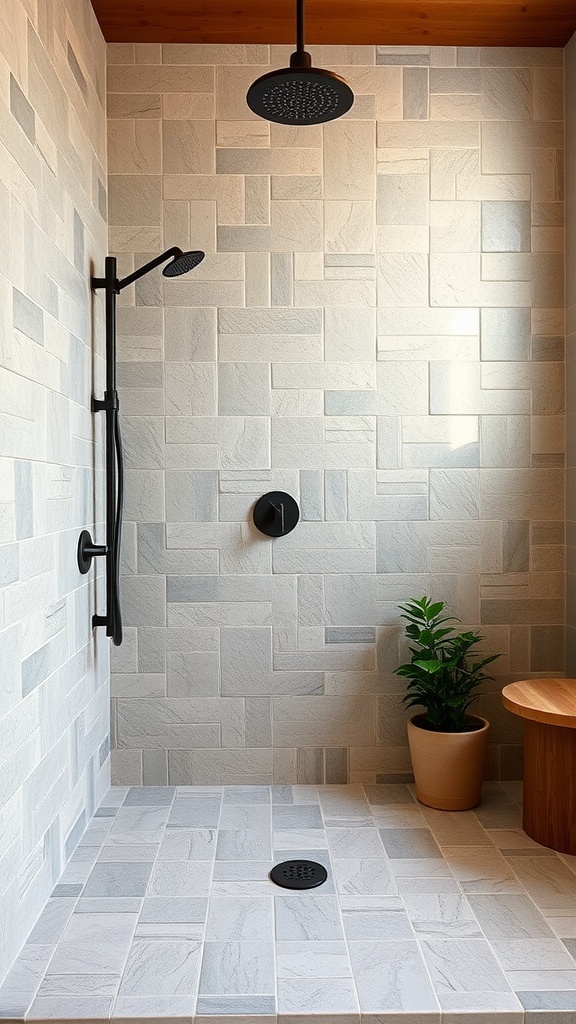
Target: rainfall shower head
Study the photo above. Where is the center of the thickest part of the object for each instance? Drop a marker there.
(182, 263)
(300, 94)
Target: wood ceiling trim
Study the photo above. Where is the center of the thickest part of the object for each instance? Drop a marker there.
(353, 22)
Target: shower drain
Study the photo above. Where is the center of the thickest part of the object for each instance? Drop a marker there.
(298, 874)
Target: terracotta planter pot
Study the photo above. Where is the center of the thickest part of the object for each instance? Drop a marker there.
(448, 766)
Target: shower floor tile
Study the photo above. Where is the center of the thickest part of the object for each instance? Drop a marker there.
(166, 913)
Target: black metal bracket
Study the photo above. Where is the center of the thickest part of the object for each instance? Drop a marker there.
(102, 282)
(110, 401)
(87, 550)
(276, 513)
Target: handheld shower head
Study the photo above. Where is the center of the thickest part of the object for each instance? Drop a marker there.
(182, 262)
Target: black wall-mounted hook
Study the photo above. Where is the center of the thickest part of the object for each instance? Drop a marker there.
(276, 513)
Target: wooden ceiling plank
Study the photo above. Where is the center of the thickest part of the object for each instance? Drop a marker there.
(364, 22)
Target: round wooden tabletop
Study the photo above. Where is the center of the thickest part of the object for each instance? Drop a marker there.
(550, 701)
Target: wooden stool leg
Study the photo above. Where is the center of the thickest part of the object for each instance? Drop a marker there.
(550, 785)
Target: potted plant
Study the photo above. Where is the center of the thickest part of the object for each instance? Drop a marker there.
(448, 745)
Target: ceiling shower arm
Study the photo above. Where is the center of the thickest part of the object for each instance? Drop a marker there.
(300, 58)
(300, 26)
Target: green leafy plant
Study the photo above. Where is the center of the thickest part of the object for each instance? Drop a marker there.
(442, 673)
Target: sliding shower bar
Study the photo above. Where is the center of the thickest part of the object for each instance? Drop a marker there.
(114, 462)
(180, 263)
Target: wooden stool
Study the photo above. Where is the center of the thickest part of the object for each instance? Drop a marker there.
(549, 709)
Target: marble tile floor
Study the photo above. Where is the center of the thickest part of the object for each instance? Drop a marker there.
(166, 912)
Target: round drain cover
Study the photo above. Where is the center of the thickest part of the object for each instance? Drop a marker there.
(298, 874)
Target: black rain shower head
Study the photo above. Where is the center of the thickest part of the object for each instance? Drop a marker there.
(182, 263)
(300, 94)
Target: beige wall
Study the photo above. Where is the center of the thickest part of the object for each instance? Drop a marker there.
(378, 329)
(54, 726)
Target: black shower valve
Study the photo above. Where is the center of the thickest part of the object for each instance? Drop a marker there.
(276, 513)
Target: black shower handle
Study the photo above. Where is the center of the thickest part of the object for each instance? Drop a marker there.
(278, 516)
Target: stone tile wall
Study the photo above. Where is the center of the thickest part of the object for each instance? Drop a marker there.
(570, 357)
(378, 329)
(53, 672)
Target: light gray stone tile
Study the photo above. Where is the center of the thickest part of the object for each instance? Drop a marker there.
(243, 844)
(336, 765)
(21, 983)
(22, 110)
(143, 601)
(409, 843)
(166, 1007)
(191, 674)
(402, 199)
(506, 93)
(188, 844)
(244, 389)
(241, 919)
(78, 985)
(140, 818)
(191, 496)
(505, 227)
(291, 816)
(304, 917)
(174, 910)
(544, 980)
(70, 1007)
(415, 94)
(405, 55)
(547, 880)
(532, 954)
(364, 876)
(481, 870)
(28, 316)
(509, 916)
(114, 905)
(230, 968)
(281, 279)
(463, 965)
(258, 721)
(161, 968)
(180, 878)
(257, 199)
(427, 886)
(505, 333)
(188, 147)
(347, 166)
(94, 944)
(202, 811)
(122, 879)
(391, 977)
(224, 1007)
(349, 635)
(441, 915)
(455, 80)
(366, 925)
(314, 960)
(320, 997)
(311, 494)
(51, 923)
(541, 1002)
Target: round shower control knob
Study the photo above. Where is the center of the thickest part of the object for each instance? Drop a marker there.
(276, 513)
